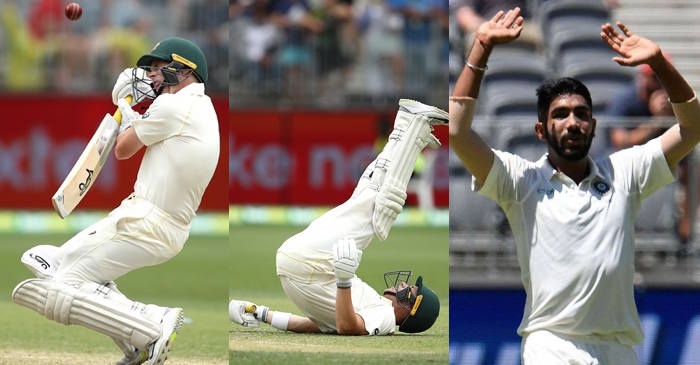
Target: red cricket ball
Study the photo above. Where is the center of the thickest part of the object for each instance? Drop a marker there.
(73, 11)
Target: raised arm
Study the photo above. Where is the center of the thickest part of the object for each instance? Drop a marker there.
(346, 259)
(634, 50)
(467, 144)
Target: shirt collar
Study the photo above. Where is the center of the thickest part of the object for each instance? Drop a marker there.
(196, 88)
(549, 171)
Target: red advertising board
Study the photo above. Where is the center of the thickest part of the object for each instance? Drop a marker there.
(42, 136)
(310, 157)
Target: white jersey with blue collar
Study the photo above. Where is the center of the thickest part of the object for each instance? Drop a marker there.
(575, 242)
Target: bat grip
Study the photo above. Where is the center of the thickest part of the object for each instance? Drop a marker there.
(117, 114)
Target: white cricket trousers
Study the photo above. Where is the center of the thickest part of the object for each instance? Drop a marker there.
(547, 348)
(304, 261)
(134, 235)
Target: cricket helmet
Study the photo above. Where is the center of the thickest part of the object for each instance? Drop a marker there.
(423, 307)
(181, 54)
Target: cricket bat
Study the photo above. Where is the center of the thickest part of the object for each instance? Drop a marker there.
(85, 171)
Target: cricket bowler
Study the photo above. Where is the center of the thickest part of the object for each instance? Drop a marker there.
(74, 283)
(572, 217)
(317, 266)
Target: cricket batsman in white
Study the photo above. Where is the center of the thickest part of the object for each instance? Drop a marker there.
(572, 217)
(74, 283)
(317, 266)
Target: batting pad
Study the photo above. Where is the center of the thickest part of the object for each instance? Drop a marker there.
(411, 134)
(87, 306)
(41, 261)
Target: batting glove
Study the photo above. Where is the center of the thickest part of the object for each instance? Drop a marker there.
(128, 115)
(126, 83)
(346, 260)
(243, 313)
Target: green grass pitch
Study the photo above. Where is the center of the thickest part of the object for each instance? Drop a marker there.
(423, 250)
(195, 280)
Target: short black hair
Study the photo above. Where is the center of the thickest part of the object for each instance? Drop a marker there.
(554, 88)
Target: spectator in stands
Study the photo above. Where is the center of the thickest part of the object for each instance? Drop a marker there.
(209, 27)
(122, 38)
(334, 44)
(298, 24)
(419, 17)
(646, 97)
(471, 13)
(381, 58)
(25, 48)
(643, 98)
(261, 38)
(78, 56)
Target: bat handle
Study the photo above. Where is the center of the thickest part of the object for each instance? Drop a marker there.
(117, 114)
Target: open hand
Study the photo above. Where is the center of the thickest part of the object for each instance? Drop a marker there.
(502, 28)
(633, 49)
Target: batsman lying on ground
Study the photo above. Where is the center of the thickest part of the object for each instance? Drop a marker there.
(317, 266)
(74, 283)
(573, 217)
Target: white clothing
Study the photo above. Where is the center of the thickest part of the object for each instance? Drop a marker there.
(317, 302)
(181, 132)
(304, 265)
(546, 348)
(575, 243)
(134, 235)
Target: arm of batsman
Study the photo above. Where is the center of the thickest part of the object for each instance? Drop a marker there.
(134, 82)
(346, 260)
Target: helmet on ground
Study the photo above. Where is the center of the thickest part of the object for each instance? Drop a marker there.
(423, 307)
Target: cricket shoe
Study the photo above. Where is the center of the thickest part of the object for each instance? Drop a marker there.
(436, 116)
(170, 324)
(134, 358)
(243, 313)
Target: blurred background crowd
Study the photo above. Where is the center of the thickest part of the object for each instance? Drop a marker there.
(41, 51)
(338, 53)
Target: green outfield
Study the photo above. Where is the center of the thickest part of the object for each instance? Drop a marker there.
(423, 250)
(195, 280)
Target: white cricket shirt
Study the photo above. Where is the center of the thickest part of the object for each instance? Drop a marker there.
(375, 310)
(307, 258)
(181, 132)
(575, 243)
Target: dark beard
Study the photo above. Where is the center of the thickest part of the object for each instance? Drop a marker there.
(575, 155)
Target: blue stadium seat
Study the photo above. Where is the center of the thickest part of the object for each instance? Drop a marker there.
(469, 210)
(512, 98)
(515, 66)
(569, 11)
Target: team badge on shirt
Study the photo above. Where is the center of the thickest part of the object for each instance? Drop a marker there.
(601, 187)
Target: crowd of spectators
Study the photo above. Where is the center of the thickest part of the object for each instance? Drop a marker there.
(338, 52)
(41, 50)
